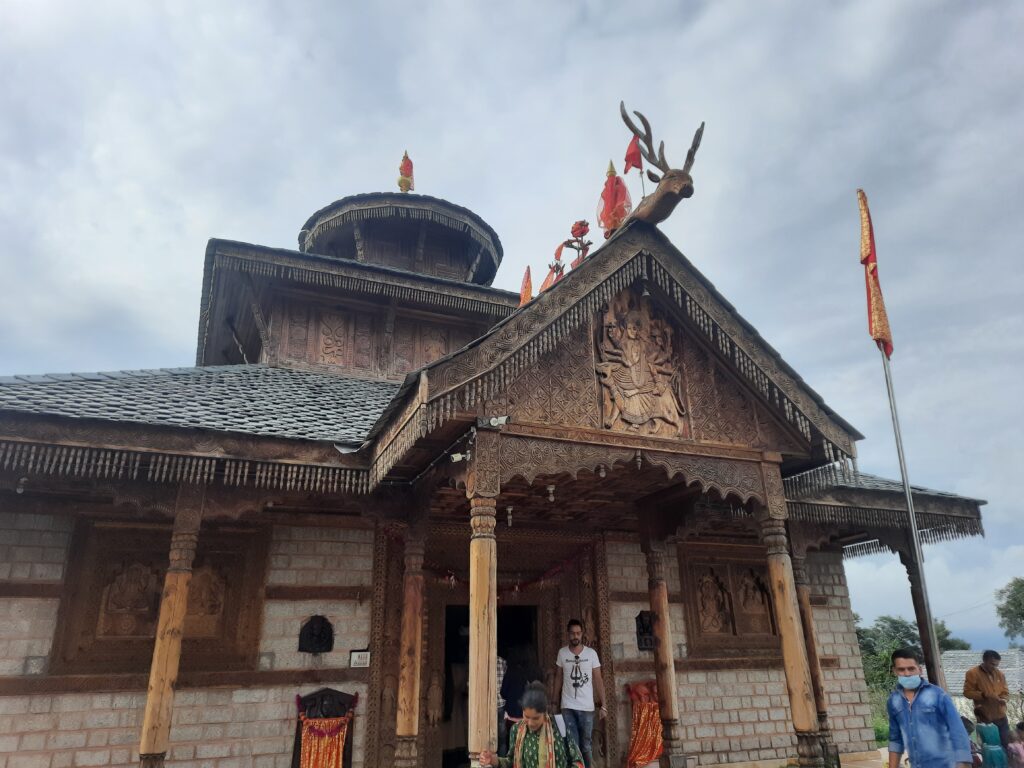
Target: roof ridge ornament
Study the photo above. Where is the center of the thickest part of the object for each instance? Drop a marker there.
(674, 184)
(405, 177)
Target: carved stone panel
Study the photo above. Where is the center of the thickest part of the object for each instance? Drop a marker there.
(640, 369)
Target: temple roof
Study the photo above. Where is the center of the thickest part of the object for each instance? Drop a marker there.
(249, 399)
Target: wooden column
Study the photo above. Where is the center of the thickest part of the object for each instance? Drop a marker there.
(482, 487)
(664, 656)
(787, 615)
(411, 658)
(483, 629)
(803, 596)
(932, 665)
(163, 673)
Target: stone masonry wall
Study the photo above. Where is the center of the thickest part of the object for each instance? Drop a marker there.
(848, 708)
(212, 727)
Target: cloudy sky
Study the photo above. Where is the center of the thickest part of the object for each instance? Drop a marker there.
(133, 132)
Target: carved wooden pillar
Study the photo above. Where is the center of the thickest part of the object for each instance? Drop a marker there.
(411, 644)
(163, 673)
(664, 658)
(803, 596)
(482, 486)
(933, 665)
(787, 614)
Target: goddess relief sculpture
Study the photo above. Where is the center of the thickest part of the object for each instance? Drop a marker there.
(639, 372)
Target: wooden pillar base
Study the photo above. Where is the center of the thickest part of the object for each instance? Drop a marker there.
(153, 760)
(406, 752)
(809, 750)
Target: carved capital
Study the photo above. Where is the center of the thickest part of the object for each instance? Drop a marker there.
(482, 475)
(188, 514)
(655, 551)
(414, 550)
(774, 492)
(482, 517)
(773, 535)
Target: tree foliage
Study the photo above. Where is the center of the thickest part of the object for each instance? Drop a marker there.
(878, 641)
(1010, 608)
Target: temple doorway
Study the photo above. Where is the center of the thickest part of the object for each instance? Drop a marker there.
(518, 644)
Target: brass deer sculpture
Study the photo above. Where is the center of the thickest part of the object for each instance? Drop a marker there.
(674, 184)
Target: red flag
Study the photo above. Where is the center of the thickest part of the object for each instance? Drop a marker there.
(878, 320)
(615, 203)
(633, 156)
(526, 290)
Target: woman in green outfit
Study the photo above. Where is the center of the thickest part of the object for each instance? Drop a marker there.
(535, 741)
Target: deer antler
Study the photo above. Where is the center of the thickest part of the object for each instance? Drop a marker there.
(647, 143)
(692, 154)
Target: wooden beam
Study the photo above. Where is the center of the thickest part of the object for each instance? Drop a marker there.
(163, 674)
(803, 595)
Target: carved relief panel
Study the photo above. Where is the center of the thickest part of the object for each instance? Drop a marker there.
(640, 369)
(560, 388)
(111, 604)
(727, 600)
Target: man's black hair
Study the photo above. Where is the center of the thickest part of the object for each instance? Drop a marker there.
(906, 653)
(990, 655)
(575, 623)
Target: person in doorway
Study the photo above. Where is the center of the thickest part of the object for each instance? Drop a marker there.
(502, 733)
(923, 721)
(582, 688)
(985, 685)
(536, 741)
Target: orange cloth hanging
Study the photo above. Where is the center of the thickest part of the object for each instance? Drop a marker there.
(645, 736)
(323, 741)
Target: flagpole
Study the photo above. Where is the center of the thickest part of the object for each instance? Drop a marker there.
(934, 675)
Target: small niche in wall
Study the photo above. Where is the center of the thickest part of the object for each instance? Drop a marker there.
(316, 635)
(645, 631)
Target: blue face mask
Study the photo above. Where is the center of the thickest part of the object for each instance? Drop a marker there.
(910, 682)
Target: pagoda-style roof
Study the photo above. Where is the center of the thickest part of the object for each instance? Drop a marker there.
(246, 399)
(322, 226)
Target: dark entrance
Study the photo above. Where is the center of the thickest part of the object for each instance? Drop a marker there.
(517, 644)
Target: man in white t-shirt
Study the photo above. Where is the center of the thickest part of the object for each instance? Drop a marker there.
(582, 688)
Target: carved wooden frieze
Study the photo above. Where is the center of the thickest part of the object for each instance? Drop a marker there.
(527, 458)
(741, 479)
(640, 369)
(727, 600)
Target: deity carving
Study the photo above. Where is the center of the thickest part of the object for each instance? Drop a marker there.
(713, 604)
(639, 370)
(754, 605)
(129, 605)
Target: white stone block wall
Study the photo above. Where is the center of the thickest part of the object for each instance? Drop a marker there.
(730, 716)
(212, 727)
(848, 708)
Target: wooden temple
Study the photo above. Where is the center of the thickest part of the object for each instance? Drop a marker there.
(374, 437)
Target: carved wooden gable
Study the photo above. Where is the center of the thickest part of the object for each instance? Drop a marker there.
(635, 369)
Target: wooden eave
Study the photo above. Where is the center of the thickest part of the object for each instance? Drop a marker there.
(455, 386)
(62, 447)
(224, 295)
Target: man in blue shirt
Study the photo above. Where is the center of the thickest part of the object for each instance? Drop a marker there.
(923, 722)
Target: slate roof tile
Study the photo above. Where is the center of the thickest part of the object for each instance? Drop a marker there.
(251, 399)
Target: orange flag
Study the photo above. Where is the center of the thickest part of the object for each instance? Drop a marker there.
(878, 320)
(526, 291)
